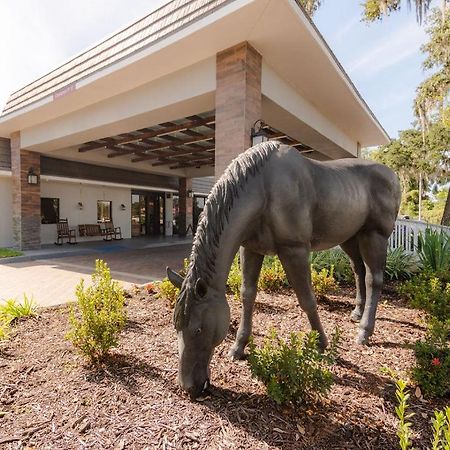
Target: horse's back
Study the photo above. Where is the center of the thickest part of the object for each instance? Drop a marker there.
(328, 202)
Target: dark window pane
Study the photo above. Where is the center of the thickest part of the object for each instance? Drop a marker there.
(49, 210)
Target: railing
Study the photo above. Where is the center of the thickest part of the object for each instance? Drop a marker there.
(406, 234)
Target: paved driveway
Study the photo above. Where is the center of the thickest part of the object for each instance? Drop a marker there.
(53, 281)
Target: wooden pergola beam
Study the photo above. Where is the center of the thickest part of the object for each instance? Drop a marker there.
(126, 139)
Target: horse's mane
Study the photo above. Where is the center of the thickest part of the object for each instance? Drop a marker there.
(214, 218)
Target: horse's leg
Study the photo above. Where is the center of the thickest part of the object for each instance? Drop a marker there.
(251, 263)
(373, 247)
(295, 261)
(351, 247)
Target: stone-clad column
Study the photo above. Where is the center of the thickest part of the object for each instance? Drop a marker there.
(26, 197)
(185, 207)
(238, 101)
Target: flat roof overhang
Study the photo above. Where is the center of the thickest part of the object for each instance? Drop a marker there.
(278, 29)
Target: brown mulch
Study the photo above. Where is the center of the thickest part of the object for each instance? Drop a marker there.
(50, 399)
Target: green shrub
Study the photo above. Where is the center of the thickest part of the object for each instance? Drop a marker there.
(98, 316)
(432, 367)
(440, 423)
(335, 258)
(167, 291)
(434, 252)
(293, 371)
(272, 277)
(12, 310)
(323, 282)
(234, 280)
(400, 265)
(428, 293)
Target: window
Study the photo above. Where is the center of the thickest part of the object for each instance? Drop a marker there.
(104, 211)
(49, 210)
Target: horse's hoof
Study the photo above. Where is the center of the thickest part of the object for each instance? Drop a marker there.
(355, 316)
(236, 354)
(362, 339)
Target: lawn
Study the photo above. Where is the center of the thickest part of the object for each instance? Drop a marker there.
(49, 398)
(9, 252)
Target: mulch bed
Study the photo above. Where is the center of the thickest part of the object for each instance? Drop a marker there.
(50, 399)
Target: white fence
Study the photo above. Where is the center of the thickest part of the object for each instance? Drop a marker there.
(406, 233)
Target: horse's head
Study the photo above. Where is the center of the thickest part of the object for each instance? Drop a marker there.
(202, 318)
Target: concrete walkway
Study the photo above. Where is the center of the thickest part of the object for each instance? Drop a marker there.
(51, 274)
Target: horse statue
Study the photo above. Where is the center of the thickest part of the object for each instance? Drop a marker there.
(272, 200)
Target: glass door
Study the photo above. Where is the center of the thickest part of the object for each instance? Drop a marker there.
(155, 214)
(138, 215)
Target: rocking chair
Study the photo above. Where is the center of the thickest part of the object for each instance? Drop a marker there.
(64, 232)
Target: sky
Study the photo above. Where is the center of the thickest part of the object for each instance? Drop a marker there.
(383, 59)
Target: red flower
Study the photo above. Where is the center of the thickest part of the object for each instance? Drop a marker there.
(436, 362)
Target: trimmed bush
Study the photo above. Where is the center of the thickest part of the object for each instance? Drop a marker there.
(432, 367)
(167, 291)
(429, 293)
(294, 371)
(323, 282)
(98, 316)
(272, 277)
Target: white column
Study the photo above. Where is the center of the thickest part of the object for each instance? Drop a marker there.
(168, 219)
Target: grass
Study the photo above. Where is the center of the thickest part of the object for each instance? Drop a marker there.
(12, 310)
(9, 252)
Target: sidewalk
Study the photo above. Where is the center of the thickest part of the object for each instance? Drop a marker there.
(50, 275)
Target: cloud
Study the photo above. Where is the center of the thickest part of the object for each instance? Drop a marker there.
(344, 30)
(390, 51)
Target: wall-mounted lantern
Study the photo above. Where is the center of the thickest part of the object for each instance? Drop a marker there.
(259, 134)
(32, 178)
(80, 205)
(123, 207)
(190, 194)
(168, 194)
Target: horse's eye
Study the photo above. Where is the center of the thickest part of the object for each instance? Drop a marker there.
(198, 331)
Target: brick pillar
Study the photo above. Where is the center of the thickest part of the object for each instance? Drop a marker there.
(238, 101)
(185, 207)
(26, 197)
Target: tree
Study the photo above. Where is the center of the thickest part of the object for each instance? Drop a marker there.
(377, 9)
(311, 6)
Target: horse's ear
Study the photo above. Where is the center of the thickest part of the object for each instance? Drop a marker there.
(175, 278)
(201, 288)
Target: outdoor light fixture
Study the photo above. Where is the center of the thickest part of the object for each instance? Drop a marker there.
(123, 207)
(259, 134)
(190, 194)
(32, 178)
(80, 205)
(168, 195)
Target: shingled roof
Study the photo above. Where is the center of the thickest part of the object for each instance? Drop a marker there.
(162, 22)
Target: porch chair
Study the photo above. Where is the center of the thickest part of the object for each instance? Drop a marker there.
(111, 232)
(64, 232)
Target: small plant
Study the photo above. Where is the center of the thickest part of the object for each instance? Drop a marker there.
(434, 252)
(335, 258)
(432, 367)
(272, 277)
(323, 282)
(404, 426)
(168, 291)
(428, 293)
(400, 265)
(234, 280)
(294, 371)
(98, 316)
(12, 310)
(440, 423)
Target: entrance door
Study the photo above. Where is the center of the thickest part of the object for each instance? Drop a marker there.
(155, 214)
(147, 214)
